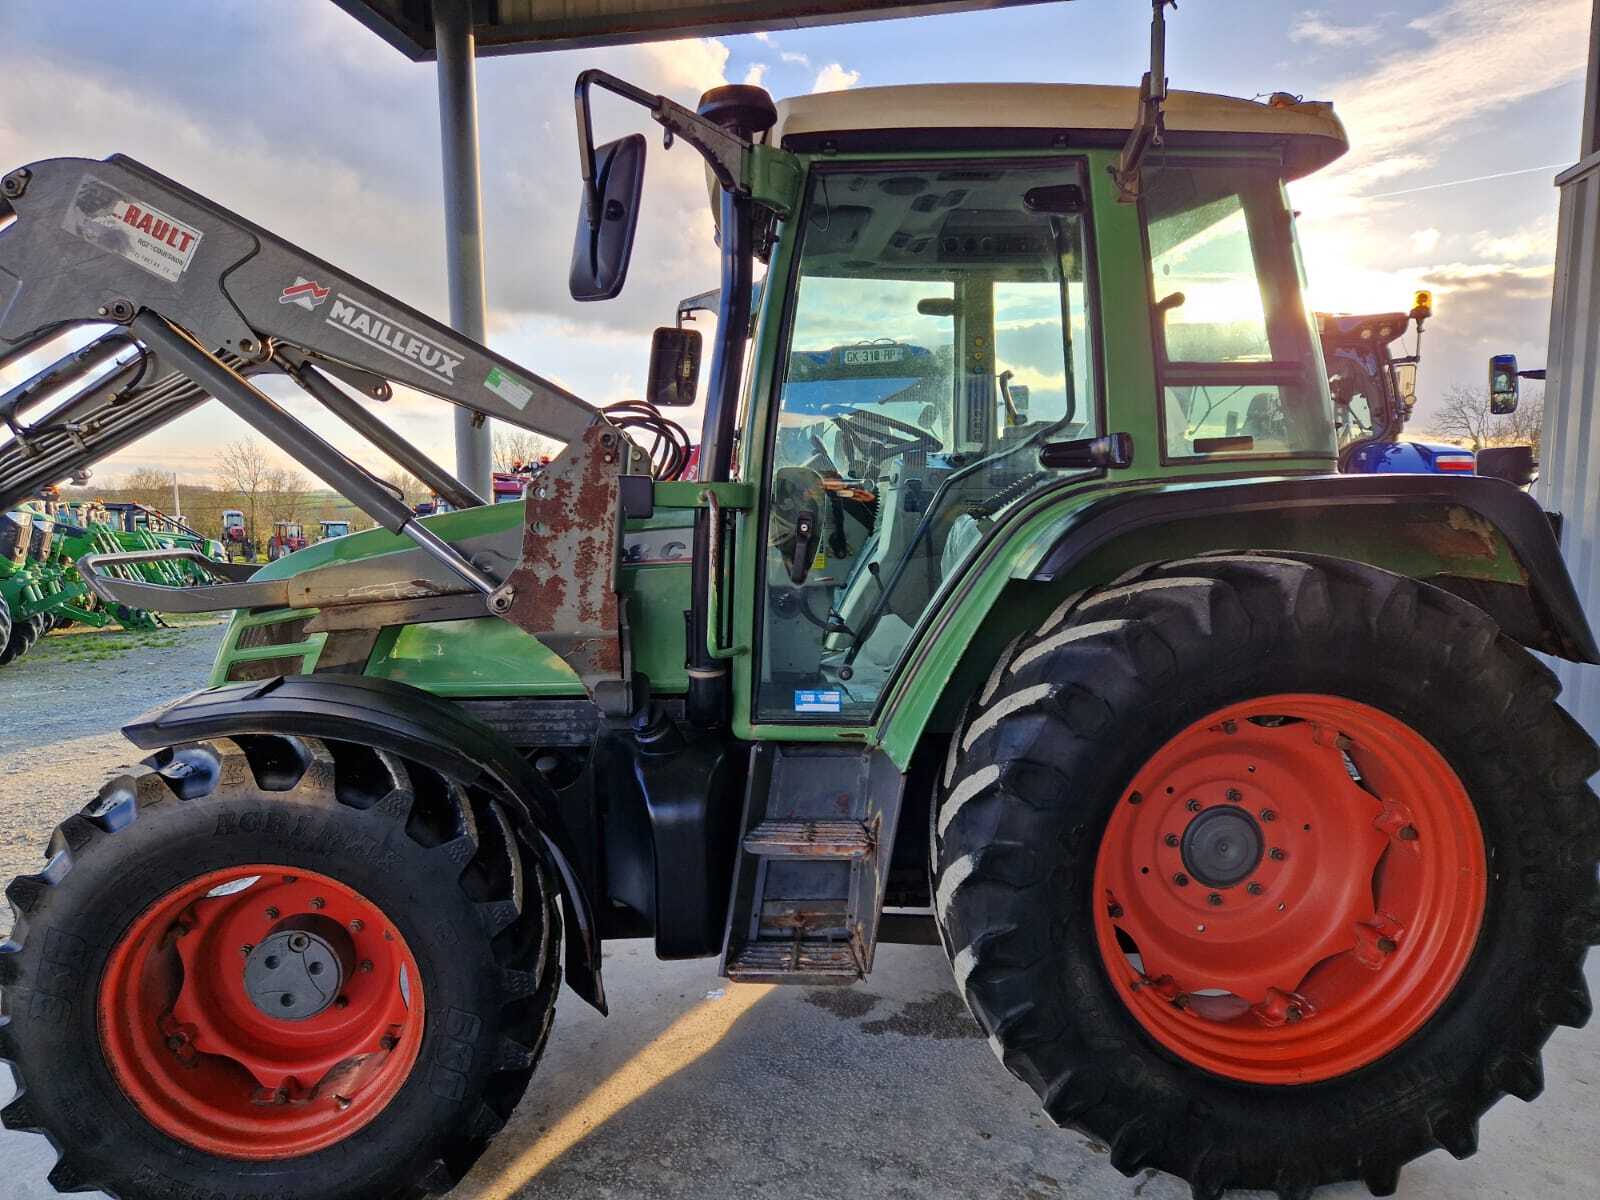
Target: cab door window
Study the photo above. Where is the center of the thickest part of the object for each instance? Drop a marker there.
(941, 329)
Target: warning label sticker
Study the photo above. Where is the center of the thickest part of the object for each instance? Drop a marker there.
(123, 225)
(508, 389)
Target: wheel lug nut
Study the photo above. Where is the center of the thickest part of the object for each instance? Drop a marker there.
(1255, 889)
(1294, 1015)
(1230, 727)
(1214, 899)
(245, 949)
(1268, 815)
(1235, 795)
(1114, 911)
(1180, 1001)
(357, 925)
(1171, 839)
(272, 914)
(1408, 833)
(366, 964)
(319, 902)
(1192, 805)
(1181, 879)
(1136, 798)
(1387, 945)
(1276, 854)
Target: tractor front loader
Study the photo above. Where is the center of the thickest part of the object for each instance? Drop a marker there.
(1018, 607)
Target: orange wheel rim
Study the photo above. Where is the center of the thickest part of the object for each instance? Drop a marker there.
(261, 1012)
(1290, 888)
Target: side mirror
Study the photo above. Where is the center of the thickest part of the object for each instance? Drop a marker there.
(606, 223)
(674, 367)
(1503, 385)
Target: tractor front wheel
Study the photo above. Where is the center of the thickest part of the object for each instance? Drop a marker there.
(1270, 871)
(277, 967)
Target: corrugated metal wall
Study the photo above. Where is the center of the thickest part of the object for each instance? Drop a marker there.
(1569, 470)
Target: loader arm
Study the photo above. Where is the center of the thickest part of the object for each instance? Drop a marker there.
(202, 300)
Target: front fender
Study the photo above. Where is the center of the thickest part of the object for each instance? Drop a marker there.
(412, 724)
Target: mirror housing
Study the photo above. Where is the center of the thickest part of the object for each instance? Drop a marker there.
(674, 367)
(1514, 464)
(606, 223)
(1503, 385)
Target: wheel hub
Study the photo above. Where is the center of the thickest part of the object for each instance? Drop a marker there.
(293, 975)
(1222, 846)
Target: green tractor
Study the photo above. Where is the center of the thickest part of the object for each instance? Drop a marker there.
(1018, 607)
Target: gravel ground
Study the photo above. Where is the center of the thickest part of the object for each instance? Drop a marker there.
(60, 708)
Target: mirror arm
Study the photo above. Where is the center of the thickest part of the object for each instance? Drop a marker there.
(723, 150)
(1151, 125)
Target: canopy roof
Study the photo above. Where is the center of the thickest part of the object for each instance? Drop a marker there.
(528, 26)
(1309, 132)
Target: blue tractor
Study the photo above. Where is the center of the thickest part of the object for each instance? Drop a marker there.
(1374, 392)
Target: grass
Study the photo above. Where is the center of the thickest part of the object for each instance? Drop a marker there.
(86, 644)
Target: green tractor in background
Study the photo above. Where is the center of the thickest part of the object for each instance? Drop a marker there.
(1018, 607)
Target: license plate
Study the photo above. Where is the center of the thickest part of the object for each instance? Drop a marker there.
(871, 355)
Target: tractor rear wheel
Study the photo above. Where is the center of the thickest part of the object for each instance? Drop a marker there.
(277, 966)
(1213, 861)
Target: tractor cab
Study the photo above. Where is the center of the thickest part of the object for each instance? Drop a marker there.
(941, 344)
(332, 529)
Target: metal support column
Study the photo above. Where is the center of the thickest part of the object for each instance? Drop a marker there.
(1569, 481)
(463, 214)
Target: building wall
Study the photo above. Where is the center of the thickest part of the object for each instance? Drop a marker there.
(1569, 470)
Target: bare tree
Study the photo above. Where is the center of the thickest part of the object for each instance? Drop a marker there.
(514, 447)
(147, 486)
(412, 490)
(244, 470)
(286, 491)
(1464, 415)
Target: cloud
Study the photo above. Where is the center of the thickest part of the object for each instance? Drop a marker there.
(1424, 241)
(756, 74)
(792, 56)
(1312, 26)
(834, 78)
(349, 169)
(1537, 240)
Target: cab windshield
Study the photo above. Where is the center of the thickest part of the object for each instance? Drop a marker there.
(941, 331)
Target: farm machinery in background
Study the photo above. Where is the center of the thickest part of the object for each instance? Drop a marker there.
(41, 588)
(287, 537)
(1375, 392)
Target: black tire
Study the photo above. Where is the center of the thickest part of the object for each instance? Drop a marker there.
(19, 640)
(1051, 743)
(440, 862)
(5, 628)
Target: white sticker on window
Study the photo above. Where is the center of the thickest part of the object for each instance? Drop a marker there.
(818, 702)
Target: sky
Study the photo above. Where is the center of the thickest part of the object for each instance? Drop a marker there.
(1460, 113)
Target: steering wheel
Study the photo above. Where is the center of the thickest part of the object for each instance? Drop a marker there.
(861, 426)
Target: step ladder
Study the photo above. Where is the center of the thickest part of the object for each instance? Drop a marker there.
(817, 835)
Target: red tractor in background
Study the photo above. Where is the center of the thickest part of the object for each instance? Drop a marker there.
(237, 543)
(287, 537)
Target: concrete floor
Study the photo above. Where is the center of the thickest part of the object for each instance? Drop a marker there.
(882, 1092)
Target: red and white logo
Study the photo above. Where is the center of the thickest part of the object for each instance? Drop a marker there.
(307, 293)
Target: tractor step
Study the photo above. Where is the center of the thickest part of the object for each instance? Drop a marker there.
(813, 864)
(810, 839)
(795, 961)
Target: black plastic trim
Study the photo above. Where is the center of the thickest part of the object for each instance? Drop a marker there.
(1513, 512)
(413, 724)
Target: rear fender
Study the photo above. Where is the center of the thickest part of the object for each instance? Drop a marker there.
(1480, 538)
(412, 724)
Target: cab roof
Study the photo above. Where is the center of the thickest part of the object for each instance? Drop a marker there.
(1308, 132)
